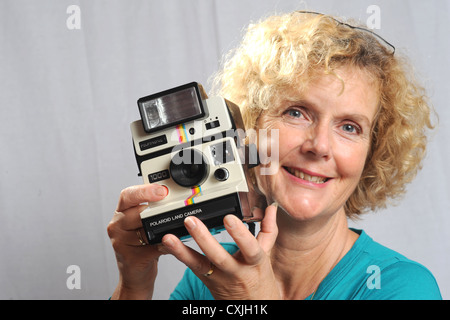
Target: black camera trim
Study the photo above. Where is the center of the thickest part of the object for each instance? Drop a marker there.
(210, 212)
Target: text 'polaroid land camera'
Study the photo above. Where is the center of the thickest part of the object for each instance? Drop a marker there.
(193, 146)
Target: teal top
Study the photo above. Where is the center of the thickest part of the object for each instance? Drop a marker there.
(369, 271)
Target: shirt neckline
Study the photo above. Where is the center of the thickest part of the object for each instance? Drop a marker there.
(352, 254)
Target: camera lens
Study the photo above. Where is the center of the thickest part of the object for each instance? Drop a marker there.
(188, 168)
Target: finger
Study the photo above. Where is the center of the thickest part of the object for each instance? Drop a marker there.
(129, 219)
(198, 263)
(134, 238)
(247, 243)
(269, 229)
(135, 195)
(212, 249)
(124, 225)
(257, 214)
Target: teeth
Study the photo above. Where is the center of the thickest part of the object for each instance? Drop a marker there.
(305, 176)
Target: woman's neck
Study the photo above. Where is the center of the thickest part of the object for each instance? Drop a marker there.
(305, 252)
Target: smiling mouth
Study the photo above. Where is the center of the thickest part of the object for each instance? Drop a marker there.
(304, 176)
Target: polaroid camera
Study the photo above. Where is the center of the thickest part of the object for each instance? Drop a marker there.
(194, 146)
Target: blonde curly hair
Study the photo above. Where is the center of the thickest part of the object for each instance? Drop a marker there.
(288, 50)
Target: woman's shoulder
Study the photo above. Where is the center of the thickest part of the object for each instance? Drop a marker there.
(391, 275)
(383, 256)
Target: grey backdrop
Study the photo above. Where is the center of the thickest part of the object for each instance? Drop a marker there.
(67, 97)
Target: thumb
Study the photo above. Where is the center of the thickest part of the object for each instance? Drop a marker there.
(269, 229)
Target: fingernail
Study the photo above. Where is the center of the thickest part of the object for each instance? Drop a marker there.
(160, 191)
(167, 242)
(275, 204)
(230, 221)
(190, 223)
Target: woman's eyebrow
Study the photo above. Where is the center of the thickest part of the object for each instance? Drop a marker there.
(305, 102)
(356, 117)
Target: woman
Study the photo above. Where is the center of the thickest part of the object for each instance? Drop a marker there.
(351, 124)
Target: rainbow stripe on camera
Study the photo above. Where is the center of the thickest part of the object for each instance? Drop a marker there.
(182, 134)
(196, 191)
(183, 137)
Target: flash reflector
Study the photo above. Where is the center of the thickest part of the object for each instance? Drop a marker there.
(171, 107)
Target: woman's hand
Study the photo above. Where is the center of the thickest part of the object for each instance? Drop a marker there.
(247, 274)
(137, 262)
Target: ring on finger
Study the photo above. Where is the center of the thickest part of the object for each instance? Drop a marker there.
(211, 270)
(141, 240)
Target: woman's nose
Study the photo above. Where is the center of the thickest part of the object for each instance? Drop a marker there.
(317, 141)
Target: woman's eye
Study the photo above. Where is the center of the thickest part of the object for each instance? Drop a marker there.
(294, 113)
(350, 128)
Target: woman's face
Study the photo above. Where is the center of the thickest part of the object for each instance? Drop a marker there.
(324, 139)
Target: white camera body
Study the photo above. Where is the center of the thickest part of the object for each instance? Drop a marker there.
(202, 162)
